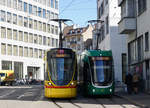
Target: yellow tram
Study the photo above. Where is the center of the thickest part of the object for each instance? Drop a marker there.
(61, 73)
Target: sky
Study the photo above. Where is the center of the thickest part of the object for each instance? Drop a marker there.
(79, 11)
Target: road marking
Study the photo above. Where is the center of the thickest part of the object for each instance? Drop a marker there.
(7, 94)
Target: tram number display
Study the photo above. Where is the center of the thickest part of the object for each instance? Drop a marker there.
(62, 55)
(100, 58)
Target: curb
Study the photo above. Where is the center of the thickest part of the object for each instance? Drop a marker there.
(132, 101)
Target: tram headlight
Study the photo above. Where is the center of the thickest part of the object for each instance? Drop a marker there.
(93, 90)
(110, 90)
(72, 83)
(49, 83)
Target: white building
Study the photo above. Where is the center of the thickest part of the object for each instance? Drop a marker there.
(25, 34)
(109, 38)
(135, 23)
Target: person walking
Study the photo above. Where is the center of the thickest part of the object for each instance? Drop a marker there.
(135, 82)
(128, 82)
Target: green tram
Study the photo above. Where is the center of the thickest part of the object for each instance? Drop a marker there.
(96, 73)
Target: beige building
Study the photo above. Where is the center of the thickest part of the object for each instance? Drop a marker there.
(135, 23)
(75, 37)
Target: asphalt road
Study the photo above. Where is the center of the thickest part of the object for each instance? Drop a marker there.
(32, 97)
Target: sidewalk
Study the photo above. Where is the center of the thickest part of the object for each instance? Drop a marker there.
(140, 99)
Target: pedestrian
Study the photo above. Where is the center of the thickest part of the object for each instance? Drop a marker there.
(135, 82)
(128, 82)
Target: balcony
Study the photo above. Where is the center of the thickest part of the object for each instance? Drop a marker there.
(120, 2)
(127, 25)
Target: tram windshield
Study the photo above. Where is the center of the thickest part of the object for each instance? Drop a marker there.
(101, 70)
(61, 70)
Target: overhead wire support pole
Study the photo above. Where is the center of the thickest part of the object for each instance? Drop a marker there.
(98, 33)
(60, 21)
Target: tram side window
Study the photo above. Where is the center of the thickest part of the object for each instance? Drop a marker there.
(86, 70)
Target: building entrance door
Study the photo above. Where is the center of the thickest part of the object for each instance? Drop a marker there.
(148, 75)
(33, 72)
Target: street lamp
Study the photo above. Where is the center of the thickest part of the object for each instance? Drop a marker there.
(98, 32)
(60, 21)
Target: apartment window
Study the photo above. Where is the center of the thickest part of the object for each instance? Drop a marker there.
(48, 3)
(15, 34)
(147, 41)
(56, 42)
(31, 38)
(25, 52)
(48, 14)
(132, 52)
(30, 9)
(9, 33)
(140, 48)
(9, 17)
(35, 10)
(19, 5)
(44, 27)
(40, 53)
(36, 53)
(15, 4)
(141, 6)
(35, 39)
(3, 49)
(44, 40)
(3, 32)
(20, 36)
(15, 50)
(40, 26)
(25, 37)
(52, 3)
(35, 24)
(20, 51)
(52, 41)
(52, 29)
(30, 23)
(31, 52)
(106, 2)
(3, 16)
(25, 7)
(56, 16)
(56, 4)
(40, 39)
(48, 41)
(20, 21)
(14, 19)
(48, 28)
(25, 22)
(9, 49)
(52, 15)
(124, 66)
(56, 30)
(107, 25)
(44, 13)
(9, 3)
(39, 12)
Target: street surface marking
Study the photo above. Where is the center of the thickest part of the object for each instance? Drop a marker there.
(7, 94)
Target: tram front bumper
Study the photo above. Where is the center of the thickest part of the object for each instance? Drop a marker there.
(60, 92)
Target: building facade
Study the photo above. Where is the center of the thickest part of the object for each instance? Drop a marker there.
(75, 38)
(134, 22)
(109, 38)
(26, 32)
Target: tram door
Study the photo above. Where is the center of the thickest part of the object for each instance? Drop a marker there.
(148, 75)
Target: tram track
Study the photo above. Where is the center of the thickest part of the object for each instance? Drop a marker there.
(53, 100)
(74, 104)
(69, 100)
